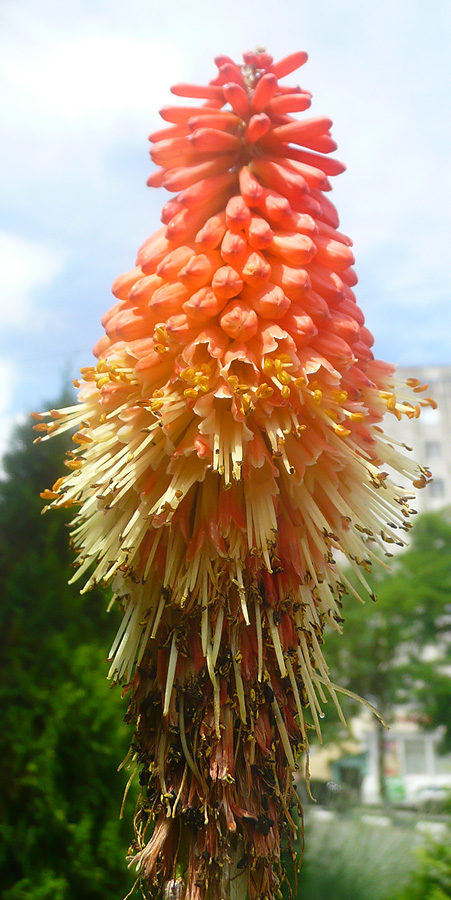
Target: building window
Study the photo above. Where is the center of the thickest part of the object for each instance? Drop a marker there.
(437, 487)
(415, 756)
(432, 450)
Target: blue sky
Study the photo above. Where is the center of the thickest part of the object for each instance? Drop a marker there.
(80, 88)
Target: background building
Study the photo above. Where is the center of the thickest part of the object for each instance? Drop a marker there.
(414, 767)
(430, 435)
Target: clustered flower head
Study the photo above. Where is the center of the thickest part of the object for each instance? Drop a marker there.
(228, 446)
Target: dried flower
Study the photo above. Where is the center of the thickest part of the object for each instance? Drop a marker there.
(228, 445)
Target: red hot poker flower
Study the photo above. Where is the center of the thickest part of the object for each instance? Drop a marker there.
(228, 445)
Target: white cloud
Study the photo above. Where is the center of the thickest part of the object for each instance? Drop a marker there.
(73, 100)
(26, 267)
(7, 381)
(8, 420)
(76, 78)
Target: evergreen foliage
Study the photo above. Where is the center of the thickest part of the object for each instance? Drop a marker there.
(62, 737)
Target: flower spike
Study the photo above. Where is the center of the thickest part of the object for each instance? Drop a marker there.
(228, 445)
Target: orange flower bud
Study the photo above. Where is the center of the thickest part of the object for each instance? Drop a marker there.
(239, 321)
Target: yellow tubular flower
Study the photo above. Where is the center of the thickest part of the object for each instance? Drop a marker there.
(227, 446)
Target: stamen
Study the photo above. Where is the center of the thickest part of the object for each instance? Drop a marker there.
(170, 675)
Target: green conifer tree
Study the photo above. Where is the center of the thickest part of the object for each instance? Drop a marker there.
(62, 737)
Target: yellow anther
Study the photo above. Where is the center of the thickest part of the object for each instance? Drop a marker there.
(104, 379)
(283, 377)
(285, 392)
(191, 393)
(158, 393)
(317, 396)
(48, 495)
(264, 391)
(160, 348)
(102, 365)
(201, 380)
(300, 382)
(357, 417)
(391, 402)
(187, 374)
(102, 419)
(80, 438)
(233, 380)
(161, 333)
(339, 396)
(155, 405)
(246, 404)
(341, 431)
(73, 463)
(268, 364)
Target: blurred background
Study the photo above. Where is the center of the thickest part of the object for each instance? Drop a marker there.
(80, 88)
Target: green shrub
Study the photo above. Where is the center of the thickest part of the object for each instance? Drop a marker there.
(347, 859)
(431, 880)
(62, 735)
